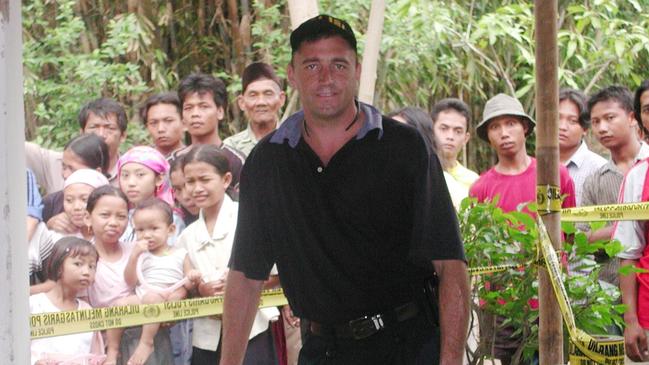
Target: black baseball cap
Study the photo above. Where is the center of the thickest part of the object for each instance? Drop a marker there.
(322, 26)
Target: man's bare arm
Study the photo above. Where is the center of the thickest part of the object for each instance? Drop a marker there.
(635, 340)
(239, 309)
(454, 300)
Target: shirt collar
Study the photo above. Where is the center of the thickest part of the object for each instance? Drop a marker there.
(249, 136)
(291, 129)
(642, 154)
(579, 156)
(223, 226)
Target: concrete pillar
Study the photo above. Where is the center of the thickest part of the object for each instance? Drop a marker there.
(14, 311)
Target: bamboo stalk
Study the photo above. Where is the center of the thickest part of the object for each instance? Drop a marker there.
(547, 152)
(371, 53)
(301, 10)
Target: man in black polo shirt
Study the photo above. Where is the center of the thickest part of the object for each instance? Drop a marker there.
(356, 215)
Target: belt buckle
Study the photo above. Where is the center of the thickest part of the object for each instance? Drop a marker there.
(366, 326)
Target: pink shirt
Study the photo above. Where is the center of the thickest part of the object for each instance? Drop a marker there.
(516, 189)
(109, 282)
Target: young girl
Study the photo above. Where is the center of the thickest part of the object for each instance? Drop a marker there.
(183, 199)
(86, 151)
(72, 266)
(76, 189)
(209, 242)
(108, 216)
(162, 273)
(142, 174)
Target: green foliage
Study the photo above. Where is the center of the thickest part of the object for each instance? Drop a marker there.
(431, 49)
(60, 77)
(493, 237)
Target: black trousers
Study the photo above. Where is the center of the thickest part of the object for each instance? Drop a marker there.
(260, 351)
(412, 342)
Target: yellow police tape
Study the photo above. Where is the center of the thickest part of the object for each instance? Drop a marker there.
(95, 319)
(600, 350)
(548, 199)
(610, 212)
(481, 270)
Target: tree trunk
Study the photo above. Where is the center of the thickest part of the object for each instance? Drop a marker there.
(547, 153)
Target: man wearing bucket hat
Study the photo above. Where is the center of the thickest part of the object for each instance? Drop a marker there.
(348, 223)
(505, 126)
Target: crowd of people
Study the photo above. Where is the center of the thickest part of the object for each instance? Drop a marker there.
(349, 211)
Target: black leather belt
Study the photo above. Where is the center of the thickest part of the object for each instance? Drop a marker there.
(366, 326)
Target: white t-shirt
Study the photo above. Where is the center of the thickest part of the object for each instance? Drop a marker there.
(161, 271)
(76, 344)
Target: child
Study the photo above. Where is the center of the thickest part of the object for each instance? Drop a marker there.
(162, 273)
(183, 199)
(76, 189)
(72, 266)
(107, 217)
(142, 174)
(209, 242)
(86, 151)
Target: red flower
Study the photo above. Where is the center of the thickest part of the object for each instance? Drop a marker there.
(533, 303)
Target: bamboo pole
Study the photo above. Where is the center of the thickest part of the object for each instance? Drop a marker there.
(302, 10)
(547, 152)
(14, 311)
(371, 53)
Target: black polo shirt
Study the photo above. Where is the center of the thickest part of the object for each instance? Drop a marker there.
(354, 237)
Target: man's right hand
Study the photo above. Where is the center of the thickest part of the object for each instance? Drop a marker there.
(62, 224)
(635, 343)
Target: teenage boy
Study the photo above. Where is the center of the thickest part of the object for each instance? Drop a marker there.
(161, 114)
(451, 118)
(573, 151)
(614, 125)
(505, 126)
(204, 99)
(261, 100)
(634, 238)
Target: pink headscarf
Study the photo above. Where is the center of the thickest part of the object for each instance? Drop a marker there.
(151, 158)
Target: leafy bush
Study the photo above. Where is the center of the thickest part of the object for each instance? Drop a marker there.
(493, 237)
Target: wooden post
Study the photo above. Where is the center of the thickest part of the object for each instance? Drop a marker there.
(547, 153)
(14, 310)
(301, 10)
(371, 53)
